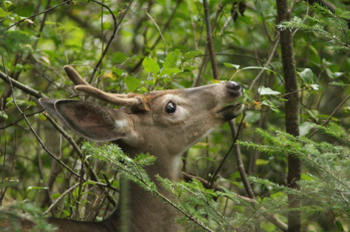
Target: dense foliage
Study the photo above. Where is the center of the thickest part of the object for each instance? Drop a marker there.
(141, 46)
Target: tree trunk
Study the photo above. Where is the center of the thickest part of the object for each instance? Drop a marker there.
(291, 108)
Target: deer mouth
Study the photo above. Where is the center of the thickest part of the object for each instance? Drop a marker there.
(231, 111)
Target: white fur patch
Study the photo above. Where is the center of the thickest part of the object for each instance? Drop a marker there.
(120, 124)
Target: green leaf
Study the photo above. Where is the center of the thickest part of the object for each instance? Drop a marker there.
(236, 66)
(119, 57)
(132, 83)
(40, 117)
(257, 67)
(307, 76)
(192, 54)
(261, 162)
(3, 115)
(7, 4)
(36, 188)
(267, 91)
(305, 128)
(89, 182)
(169, 72)
(315, 87)
(55, 195)
(150, 65)
(270, 104)
(171, 61)
(3, 13)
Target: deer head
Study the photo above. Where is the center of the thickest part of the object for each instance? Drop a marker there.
(162, 123)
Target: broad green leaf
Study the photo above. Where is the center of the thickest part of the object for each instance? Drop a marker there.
(236, 66)
(118, 72)
(3, 115)
(3, 13)
(261, 162)
(171, 61)
(36, 188)
(252, 116)
(257, 67)
(267, 91)
(307, 76)
(150, 65)
(305, 128)
(89, 182)
(132, 83)
(39, 116)
(315, 87)
(7, 3)
(333, 75)
(192, 54)
(119, 57)
(169, 72)
(270, 104)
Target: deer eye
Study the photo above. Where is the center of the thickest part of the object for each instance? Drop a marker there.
(170, 107)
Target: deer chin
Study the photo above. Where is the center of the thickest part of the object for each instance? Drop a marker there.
(231, 111)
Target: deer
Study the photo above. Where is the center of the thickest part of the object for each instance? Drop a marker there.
(162, 123)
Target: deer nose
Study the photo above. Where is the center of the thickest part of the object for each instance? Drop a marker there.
(234, 87)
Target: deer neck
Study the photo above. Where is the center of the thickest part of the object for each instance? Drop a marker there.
(143, 209)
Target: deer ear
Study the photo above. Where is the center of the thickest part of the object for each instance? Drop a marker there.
(85, 118)
(49, 106)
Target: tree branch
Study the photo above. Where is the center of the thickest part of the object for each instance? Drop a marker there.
(214, 63)
(291, 113)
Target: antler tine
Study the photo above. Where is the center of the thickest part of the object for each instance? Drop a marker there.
(116, 99)
(74, 75)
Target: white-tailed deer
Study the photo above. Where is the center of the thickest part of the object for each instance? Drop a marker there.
(162, 123)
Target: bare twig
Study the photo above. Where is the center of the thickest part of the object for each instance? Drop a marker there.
(166, 25)
(21, 86)
(33, 131)
(330, 116)
(228, 152)
(20, 119)
(60, 197)
(112, 37)
(93, 174)
(266, 64)
(38, 94)
(214, 63)
(202, 68)
(34, 15)
(225, 25)
(206, 184)
(160, 33)
(239, 161)
(193, 25)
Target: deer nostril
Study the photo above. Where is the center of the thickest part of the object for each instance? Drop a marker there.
(232, 85)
